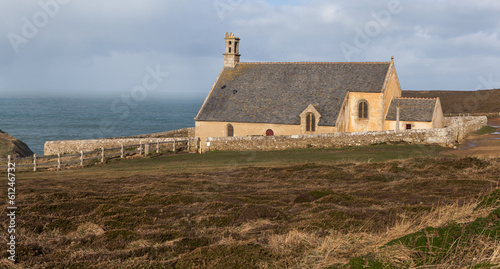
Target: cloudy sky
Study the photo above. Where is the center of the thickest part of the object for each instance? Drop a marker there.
(105, 48)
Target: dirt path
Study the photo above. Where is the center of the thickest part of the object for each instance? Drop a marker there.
(481, 145)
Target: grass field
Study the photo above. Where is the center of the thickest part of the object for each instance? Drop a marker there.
(228, 160)
(485, 130)
(285, 209)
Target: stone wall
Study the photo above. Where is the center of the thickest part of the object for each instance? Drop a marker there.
(433, 136)
(456, 130)
(185, 132)
(75, 146)
(205, 129)
(462, 126)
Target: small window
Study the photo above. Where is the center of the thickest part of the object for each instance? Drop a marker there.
(363, 110)
(408, 126)
(310, 122)
(229, 49)
(230, 130)
(269, 132)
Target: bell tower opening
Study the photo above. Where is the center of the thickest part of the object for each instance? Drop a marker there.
(231, 55)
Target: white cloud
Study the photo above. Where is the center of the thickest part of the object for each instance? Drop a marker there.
(95, 46)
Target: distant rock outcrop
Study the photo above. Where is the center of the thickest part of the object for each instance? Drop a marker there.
(9, 145)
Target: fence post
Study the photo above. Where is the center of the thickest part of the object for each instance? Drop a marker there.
(173, 146)
(146, 152)
(122, 152)
(34, 162)
(157, 146)
(198, 145)
(81, 157)
(58, 161)
(140, 148)
(189, 145)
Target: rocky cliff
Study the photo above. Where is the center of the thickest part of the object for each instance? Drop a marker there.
(9, 145)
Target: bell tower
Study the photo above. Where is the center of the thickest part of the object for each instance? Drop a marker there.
(231, 56)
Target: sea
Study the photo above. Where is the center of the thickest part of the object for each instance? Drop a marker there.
(37, 120)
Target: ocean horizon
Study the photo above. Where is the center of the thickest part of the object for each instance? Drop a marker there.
(37, 120)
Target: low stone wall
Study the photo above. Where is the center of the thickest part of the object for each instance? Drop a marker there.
(75, 146)
(456, 130)
(462, 126)
(185, 132)
(434, 136)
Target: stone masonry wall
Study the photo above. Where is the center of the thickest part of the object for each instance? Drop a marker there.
(462, 126)
(456, 130)
(185, 132)
(75, 146)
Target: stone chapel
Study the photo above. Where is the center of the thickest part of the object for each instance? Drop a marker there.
(290, 98)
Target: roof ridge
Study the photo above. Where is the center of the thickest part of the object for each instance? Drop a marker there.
(314, 62)
(425, 98)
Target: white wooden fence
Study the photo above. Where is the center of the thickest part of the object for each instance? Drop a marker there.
(101, 155)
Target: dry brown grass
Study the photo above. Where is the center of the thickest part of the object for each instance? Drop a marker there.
(468, 252)
(339, 247)
(298, 216)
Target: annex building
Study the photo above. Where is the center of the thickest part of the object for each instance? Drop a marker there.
(289, 98)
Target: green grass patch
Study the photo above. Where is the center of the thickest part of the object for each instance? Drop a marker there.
(217, 161)
(62, 225)
(232, 256)
(361, 263)
(433, 246)
(320, 194)
(491, 200)
(4, 148)
(485, 130)
(437, 243)
(230, 160)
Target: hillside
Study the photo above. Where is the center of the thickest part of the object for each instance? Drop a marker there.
(9, 145)
(483, 101)
(284, 209)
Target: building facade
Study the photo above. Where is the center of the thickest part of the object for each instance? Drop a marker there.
(290, 98)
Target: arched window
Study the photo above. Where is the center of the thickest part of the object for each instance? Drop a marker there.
(310, 122)
(230, 130)
(363, 110)
(269, 132)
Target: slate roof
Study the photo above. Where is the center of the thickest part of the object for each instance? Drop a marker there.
(278, 92)
(412, 109)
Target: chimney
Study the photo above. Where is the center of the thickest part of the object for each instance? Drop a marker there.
(231, 56)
